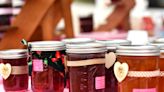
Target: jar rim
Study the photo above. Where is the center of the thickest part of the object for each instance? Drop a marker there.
(13, 54)
(112, 44)
(86, 48)
(77, 40)
(46, 45)
(138, 50)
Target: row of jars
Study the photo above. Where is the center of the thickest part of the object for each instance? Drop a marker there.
(84, 65)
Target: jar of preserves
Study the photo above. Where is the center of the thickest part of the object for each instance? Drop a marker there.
(48, 69)
(111, 81)
(137, 68)
(14, 70)
(86, 67)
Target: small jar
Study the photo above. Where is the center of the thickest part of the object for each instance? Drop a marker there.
(86, 67)
(48, 70)
(137, 68)
(14, 70)
(78, 40)
(111, 81)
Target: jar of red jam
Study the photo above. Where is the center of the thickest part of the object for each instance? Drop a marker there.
(78, 40)
(86, 67)
(111, 81)
(137, 68)
(48, 69)
(14, 70)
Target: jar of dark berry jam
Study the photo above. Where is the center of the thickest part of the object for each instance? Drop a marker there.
(78, 40)
(111, 81)
(86, 67)
(14, 70)
(137, 68)
(48, 69)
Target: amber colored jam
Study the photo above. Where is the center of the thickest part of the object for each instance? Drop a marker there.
(139, 63)
(16, 82)
(161, 78)
(82, 78)
(51, 79)
(111, 81)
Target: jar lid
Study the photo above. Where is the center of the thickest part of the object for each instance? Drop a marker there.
(93, 47)
(46, 45)
(13, 54)
(138, 50)
(159, 40)
(78, 40)
(112, 44)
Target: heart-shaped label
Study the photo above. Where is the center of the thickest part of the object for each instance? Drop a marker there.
(121, 71)
(5, 70)
(110, 59)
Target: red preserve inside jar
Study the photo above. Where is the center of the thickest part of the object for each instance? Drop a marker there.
(48, 70)
(111, 81)
(86, 67)
(143, 72)
(16, 61)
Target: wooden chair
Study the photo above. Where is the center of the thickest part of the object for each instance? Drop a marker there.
(37, 21)
(120, 17)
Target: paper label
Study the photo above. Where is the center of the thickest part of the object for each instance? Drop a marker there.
(37, 65)
(100, 82)
(145, 90)
(66, 90)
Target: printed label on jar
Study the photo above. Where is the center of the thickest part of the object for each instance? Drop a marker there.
(100, 82)
(145, 90)
(37, 65)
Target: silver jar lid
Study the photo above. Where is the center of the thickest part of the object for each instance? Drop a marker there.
(159, 40)
(112, 44)
(13, 54)
(93, 47)
(46, 46)
(138, 50)
(77, 40)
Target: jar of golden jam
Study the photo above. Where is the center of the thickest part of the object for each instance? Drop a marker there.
(111, 81)
(86, 67)
(78, 40)
(14, 70)
(48, 69)
(137, 68)
(160, 44)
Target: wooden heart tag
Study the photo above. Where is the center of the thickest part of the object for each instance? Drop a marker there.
(121, 71)
(110, 59)
(5, 70)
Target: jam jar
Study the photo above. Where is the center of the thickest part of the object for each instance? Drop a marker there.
(111, 81)
(78, 40)
(86, 68)
(48, 69)
(137, 68)
(14, 70)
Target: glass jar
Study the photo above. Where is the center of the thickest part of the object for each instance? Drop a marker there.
(137, 68)
(48, 70)
(14, 70)
(111, 81)
(86, 67)
(78, 40)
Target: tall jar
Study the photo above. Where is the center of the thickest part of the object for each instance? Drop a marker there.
(137, 68)
(14, 70)
(86, 67)
(48, 70)
(111, 81)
